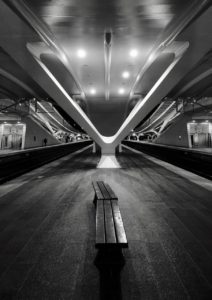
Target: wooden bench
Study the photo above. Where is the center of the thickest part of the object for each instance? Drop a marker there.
(110, 233)
(103, 191)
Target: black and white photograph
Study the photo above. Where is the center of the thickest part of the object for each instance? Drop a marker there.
(105, 149)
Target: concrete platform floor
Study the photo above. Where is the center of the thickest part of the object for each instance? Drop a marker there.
(47, 232)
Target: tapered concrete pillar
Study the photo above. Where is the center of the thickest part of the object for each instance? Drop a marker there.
(108, 158)
(108, 149)
(108, 162)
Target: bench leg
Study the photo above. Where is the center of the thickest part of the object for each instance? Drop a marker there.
(110, 264)
(94, 199)
(110, 257)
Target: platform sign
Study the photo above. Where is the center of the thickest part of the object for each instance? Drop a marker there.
(192, 128)
(199, 128)
(205, 128)
(6, 129)
(13, 130)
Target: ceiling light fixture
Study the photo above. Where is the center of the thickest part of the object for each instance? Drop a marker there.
(81, 53)
(133, 53)
(121, 91)
(93, 92)
(125, 74)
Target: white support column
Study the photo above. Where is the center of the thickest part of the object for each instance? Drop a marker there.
(1, 135)
(94, 147)
(23, 136)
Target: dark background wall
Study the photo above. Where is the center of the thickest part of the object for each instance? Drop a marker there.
(107, 116)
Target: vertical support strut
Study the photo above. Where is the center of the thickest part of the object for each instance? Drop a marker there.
(107, 57)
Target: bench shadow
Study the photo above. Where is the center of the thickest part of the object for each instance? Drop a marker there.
(110, 267)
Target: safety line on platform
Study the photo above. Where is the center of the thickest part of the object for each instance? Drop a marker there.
(199, 180)
(15, 183)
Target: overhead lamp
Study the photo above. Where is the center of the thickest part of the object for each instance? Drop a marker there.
(81, 53)
(93, 92)
(121, 91)
(133, 52)
(125, 74)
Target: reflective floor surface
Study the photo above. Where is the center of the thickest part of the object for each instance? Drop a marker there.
(47, 232)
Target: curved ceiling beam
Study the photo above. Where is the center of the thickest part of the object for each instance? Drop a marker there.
(174, 31)
(16, 81)
(107, 59)
(7, 93)
(151, 131)
(105, 142)
(158, 118)
(56, 112)
(153, 97)
(46, 36)
(187, 17)
(196, 80)
(53, 118)
(26, 88)
(56, 90)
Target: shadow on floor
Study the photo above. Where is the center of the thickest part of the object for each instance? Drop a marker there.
(110, 266)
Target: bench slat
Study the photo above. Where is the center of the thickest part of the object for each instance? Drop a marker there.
(100, 226)
(103, 190)
(109, 224)
(119, 227)
(111, 192)
(115, 205)
(97, 191)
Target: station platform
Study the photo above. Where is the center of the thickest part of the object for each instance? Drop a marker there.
(15, 151)
(194, 149)
(47, 231)
(204, 150)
